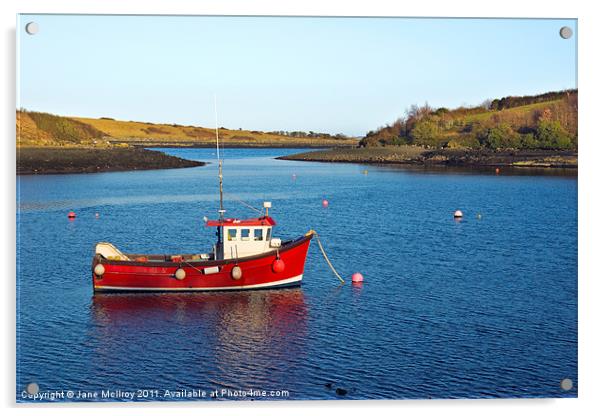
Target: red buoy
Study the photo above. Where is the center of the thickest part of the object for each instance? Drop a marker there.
(497, 171)
(278, 266)
(71, 214)
(325, 203)
(357, 277)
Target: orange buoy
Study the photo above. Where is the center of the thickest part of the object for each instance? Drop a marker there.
(325, 203)
(357, 277)
(97, 215)
(71, 215)
(458, 214)
(278, 266)
(497, 171)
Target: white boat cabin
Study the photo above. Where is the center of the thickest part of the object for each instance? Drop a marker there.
(243, 238)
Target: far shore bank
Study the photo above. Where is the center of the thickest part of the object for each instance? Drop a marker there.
(61, 160)
(236, 146)
(414, 155)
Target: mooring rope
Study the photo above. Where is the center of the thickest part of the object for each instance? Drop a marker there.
(325, 256)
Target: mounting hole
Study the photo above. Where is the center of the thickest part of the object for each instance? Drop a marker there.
(566, 384)
(32, 28)
(32, 388)
(566, 32)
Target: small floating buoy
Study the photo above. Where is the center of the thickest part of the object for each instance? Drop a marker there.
(365, 171)
(325, 203)
(497, 171)
(294, 176)
(458, 214)
(357, 277)
(97, 215)
(71, 215)
(479, 216)
(278, 266)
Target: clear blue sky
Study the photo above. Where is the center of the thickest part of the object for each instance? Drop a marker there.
(336, 75)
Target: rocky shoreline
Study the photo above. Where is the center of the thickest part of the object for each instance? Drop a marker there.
(413, 155)
(60, 160)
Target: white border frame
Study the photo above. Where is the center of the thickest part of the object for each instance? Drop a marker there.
(589, 195)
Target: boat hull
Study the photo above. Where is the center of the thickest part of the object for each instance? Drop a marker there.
(257, 272)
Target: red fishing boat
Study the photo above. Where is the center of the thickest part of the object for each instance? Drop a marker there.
(245, 256)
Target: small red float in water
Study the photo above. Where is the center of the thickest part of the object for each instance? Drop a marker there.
(325, 203)
(497, 171)
(357, 277)
(97, 215)
(278, 266)
(71, 214)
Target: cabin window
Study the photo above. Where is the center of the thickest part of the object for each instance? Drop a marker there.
(232, 234)
(269, 234)
(258, 234)
(245, 233)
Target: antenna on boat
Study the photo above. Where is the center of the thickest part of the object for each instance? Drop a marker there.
(219, 163)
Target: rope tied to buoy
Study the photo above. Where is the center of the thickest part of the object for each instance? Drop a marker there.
(324, 254)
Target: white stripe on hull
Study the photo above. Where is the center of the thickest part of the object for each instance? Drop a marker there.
(188, 289)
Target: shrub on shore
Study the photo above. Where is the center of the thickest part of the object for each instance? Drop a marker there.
(551, 135)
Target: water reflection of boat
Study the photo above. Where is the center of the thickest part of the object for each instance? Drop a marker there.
(213, 340)
(258, 308)
(251, 321)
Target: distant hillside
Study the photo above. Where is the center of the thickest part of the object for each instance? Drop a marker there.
(545, 121)
(42, 129)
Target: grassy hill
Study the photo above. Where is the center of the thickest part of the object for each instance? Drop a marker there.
(41, 129)
(545, 121)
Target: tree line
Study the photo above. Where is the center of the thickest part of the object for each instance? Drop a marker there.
(507, 124)
(312, 134)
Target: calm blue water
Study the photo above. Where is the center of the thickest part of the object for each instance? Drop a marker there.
(478, 308)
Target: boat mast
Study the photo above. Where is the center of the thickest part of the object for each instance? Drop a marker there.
(219, 164)
(220, 248)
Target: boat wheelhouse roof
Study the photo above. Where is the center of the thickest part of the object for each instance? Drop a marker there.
(235, 222)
